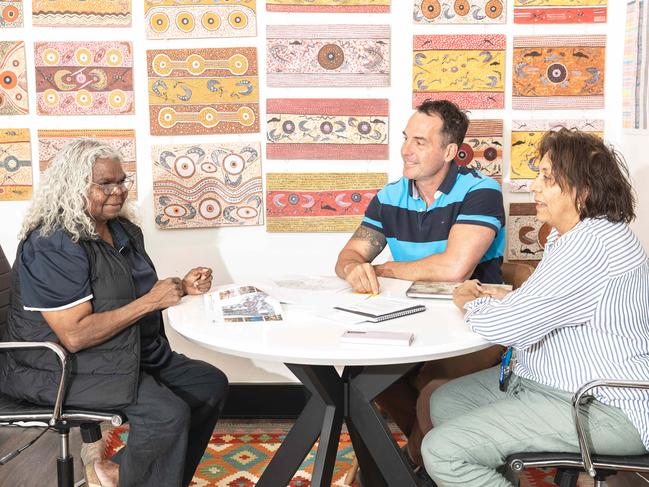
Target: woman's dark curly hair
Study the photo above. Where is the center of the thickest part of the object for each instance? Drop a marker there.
(598, 174)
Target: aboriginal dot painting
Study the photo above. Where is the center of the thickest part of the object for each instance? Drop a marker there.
(180, 19)
(50, 143)
(466, 69)
(207, 185)
(460, 12)
(526, 135)
(482, 148)
(84, 78)
(203, 91)
(342, 6)
(559, 11)
(526, 235)
(319, 202)
(328, 55)
(86, 13)
(558, 72)
(13, 79)
(327, 129)
(15, 165)
(11, 14)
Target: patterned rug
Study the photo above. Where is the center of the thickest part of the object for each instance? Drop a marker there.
(239, 452)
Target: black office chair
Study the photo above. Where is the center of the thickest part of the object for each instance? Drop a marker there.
(570, 465)
(56, 417)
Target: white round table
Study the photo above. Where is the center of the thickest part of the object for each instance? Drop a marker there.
(310, 347)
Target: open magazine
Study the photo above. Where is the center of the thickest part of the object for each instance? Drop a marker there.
(241, 304)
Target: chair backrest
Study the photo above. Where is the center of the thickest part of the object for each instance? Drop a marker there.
(515, 273)
(5, 289)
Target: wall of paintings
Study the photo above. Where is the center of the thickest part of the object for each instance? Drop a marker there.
(258, 130)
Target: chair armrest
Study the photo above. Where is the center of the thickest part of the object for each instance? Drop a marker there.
(62, 355)
(576, 402)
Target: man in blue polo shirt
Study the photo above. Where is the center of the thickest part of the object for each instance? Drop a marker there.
(442, 223)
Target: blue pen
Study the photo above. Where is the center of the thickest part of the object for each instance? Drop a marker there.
(505, 369)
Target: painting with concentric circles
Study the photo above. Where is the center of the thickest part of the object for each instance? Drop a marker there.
(207, 185)
(196, 19)
(328, 55)
(459, 12)
(15, 165)
(11, 14)
(482, 148)
(203, 91)
(327, 129)
(84, 78)
(558, 72)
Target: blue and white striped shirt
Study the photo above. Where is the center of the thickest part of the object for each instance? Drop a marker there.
(583, 315)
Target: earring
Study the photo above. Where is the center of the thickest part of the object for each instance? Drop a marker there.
(579, 207)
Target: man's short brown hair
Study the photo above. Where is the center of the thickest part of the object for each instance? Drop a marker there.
(455, 120)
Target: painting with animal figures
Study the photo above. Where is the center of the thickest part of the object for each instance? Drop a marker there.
(328, 55)
(354, 129)
(558, 72)
(207, 185)
(319, 202)
(203, 91)
(466, 69)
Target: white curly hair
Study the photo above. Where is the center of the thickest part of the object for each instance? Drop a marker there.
(62, 200)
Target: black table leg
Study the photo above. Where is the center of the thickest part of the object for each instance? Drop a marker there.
(322, 417)
(370, 470)
(368, 423)
(334, 399)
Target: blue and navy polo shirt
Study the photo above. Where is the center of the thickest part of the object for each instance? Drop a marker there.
(414, 231)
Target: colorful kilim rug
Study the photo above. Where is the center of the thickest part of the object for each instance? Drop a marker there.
(239, 452)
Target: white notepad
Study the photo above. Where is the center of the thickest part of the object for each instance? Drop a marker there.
(381, 309)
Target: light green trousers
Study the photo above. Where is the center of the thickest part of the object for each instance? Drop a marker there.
(476, 427)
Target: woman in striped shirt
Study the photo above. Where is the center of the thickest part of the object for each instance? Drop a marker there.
(582, 315)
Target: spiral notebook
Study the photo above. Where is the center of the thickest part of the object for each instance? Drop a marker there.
(380, 309)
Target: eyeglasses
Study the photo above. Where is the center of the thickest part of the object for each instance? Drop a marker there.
(109, 188)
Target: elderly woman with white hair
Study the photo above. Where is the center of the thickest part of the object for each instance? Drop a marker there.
(84, 279)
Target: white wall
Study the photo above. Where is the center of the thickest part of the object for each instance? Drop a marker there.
(242, 253)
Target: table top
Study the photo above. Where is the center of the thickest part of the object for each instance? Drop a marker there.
(303, 338)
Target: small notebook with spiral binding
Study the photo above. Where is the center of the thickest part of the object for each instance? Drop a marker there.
(380, 309)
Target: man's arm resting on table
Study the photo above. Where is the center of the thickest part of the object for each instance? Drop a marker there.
(78, 327)
(354, 261)
(467, 244)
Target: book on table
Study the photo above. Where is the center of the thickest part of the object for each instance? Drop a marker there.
(377, 309)
(443, 289)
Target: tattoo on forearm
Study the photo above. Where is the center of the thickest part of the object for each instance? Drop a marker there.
(376, 240)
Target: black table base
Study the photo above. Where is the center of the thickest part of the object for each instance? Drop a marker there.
(335, 399)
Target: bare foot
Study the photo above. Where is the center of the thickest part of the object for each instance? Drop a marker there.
(107, 472)
(92, 452)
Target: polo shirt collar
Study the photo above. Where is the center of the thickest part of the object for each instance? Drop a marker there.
(445, 187)
(120, 238)
(449, 180)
